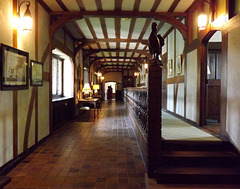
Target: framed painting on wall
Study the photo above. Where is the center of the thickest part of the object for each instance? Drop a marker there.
(14, 68)
(179, 64)
(170, 67)
(36, 73)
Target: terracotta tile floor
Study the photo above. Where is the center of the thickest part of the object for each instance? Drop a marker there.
(98, 154)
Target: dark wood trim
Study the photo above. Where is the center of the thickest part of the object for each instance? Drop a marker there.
(45, 55)
(50, 85)
(118, 5)
(15, 124)
(15, 94)
(36, 57)
(155, 5)
(80, 5)
(136, 5)
(46, 76)
(58, 44)
(177, 79)
(173, 6)
(62, 5)
(44, 5)
(29, 117)
(120, 14)
(224, 76)
(36, 116)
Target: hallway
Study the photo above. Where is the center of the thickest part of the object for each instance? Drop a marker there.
(100, 154)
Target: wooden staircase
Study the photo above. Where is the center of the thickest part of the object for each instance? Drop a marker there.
(198, 162)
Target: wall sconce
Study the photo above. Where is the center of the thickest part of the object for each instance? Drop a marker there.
(146, 66)
(25, 21)
(203, 17)
(102, 78)
(136, 74)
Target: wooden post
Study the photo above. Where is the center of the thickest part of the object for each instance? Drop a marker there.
(154, 115)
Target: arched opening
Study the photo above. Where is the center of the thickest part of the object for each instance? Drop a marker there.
(111, 84)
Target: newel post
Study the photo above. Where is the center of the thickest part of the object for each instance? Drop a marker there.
(154, 115)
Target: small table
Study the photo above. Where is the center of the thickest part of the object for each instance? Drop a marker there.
(94, 101)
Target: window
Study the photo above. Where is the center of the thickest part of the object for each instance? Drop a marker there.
(62, 75)
(57, 73)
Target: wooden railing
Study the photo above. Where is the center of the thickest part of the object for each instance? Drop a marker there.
(136, 98)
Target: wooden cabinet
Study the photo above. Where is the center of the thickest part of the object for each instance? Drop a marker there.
(62, 111)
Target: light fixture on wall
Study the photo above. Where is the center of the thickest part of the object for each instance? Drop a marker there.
(24, 21)
(102, 78)
(203, 16)
(146, 66)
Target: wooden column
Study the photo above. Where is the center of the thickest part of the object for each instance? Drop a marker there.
(154, 115)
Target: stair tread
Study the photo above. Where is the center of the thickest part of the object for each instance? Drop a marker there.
(199, 153)
(198, 170)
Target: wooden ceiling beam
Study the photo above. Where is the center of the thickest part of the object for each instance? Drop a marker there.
(143, 41)
(115, 14)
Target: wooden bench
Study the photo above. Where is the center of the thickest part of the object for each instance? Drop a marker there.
(4, 180)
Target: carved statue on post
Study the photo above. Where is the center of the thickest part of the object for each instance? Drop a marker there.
(155, 43)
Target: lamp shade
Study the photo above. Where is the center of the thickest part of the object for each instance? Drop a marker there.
(202, 21)
(96, 87)
(86, 88)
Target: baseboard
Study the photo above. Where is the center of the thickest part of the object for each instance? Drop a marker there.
(7, 167)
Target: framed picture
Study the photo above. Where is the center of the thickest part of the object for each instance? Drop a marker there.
(36, 73)
(179, 64)
(170, 67)
(14, 68)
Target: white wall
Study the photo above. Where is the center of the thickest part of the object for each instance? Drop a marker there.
(233, 88)
(191, 96)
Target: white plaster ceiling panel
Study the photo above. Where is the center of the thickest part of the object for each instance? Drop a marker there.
(129, 54)
(165, 28)
(121, 53)
(110, 25)
(127, 5)
(183, 5)
(146, 5)
(74, 32)
(108, 4)
(108, 59)
(125, 25)
(83, 26)
(113, 53)
(71, 5)
(99, 54)
(53, 5)
(132, 45)
(164, 6)
(94, 46)
(149, 29)
(114, 59)
(135, 55)
(138, 27)
(112, 45)
(106, 54)
(97, 27)
(90, 5)
(123, 45)
(103, 45)
(121, 59)
(141, 46)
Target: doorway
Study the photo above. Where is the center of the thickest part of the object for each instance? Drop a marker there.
(213, 83)
(113, 85)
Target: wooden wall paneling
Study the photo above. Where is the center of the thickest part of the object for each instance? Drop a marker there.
(224, 75)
